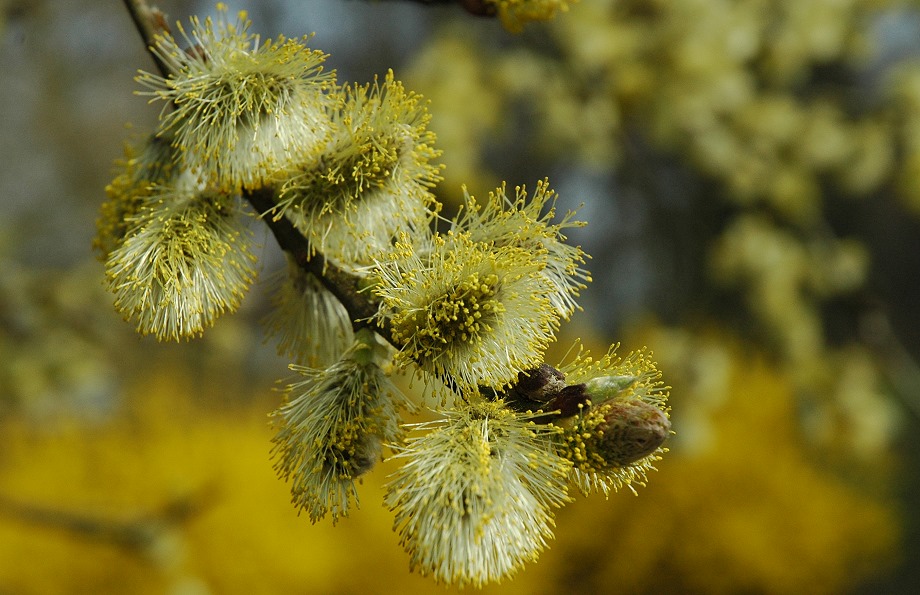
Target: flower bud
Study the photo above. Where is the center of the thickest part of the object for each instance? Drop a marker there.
(540, 384)
(603, 439)
(631, 430)
(570, 401)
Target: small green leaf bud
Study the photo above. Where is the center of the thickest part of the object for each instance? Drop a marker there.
(606, 388)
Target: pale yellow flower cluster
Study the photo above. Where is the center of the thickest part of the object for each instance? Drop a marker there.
(177, 255)
(352, 167)
(333, 428)
(477, 305)
(475, 497)
(345, 177)
(372, 180)
(467, 312)
(240, 110)
(310, 325)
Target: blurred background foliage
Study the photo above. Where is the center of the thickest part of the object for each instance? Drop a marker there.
(751, 173)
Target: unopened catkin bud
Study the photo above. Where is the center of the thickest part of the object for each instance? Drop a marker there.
(620, 423)
(630, 430)
(601, 439)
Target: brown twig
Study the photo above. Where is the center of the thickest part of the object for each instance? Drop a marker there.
(138, 533)
(482, 8)
(344, 286)
(149, 22)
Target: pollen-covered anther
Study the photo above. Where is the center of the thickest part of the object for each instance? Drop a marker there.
(460, 315)
(528, 223)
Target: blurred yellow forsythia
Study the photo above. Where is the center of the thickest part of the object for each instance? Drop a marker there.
(750, 508)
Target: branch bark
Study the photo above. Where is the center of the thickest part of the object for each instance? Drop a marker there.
(344, 286)
(149, 22)
(481, 8)
(135, 533)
